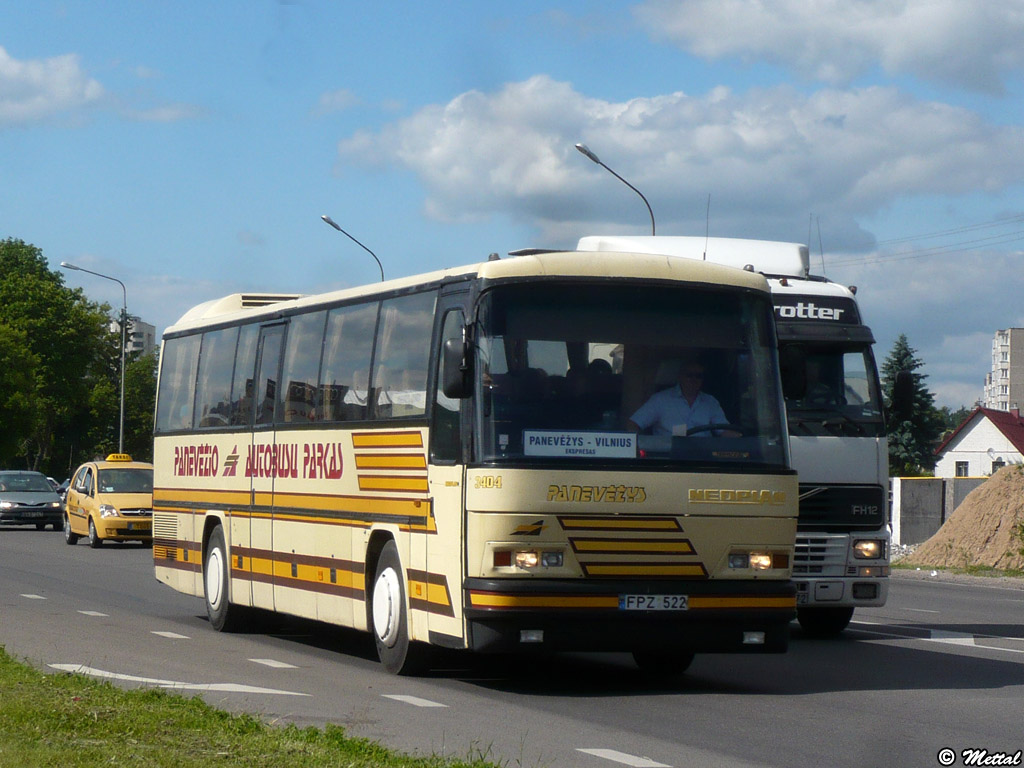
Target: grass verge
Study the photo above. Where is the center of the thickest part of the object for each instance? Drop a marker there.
(970, 570)
(73, 721)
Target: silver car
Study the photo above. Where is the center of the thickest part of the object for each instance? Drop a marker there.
(27, 498)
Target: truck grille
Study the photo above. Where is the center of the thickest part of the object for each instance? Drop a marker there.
(820, 555)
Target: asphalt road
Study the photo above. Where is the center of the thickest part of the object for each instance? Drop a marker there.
(940, 667)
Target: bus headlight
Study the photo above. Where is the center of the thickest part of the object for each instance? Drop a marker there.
(758, 561)
(106, 510)
(868, 549)
(528, 558)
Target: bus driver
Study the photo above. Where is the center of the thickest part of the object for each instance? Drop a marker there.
(682, 408)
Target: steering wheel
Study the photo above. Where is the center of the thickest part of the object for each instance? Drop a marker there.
(711, 427)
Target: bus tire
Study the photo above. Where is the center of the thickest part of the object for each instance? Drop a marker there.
(70, 537)
(669, 663)
(94, 537)
(224, 617)
(388, 618)
(824, 622)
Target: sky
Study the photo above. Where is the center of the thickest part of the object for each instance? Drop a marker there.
(189, 148)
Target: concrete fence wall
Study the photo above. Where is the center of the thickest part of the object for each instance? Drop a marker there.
(920, 505)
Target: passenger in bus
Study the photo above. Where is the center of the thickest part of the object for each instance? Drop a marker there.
(682, 408)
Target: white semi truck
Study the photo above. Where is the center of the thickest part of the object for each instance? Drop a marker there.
(837, 432)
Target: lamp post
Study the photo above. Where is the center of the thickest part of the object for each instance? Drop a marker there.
(584, 150)
(330, 221)
(123, 324)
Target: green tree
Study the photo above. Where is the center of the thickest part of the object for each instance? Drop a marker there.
(952, 419)
(139, 404)
(66, 337)
(913, 433)
(17, 382)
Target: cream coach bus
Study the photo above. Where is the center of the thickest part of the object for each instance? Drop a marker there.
(457, 460)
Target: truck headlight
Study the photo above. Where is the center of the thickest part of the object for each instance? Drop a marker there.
(868, 549)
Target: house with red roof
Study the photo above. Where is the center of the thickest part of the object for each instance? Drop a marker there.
(986, 440)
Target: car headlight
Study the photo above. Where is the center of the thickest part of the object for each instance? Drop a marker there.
(55, 505)
(106, 510)
(869, 549)
(6, 504)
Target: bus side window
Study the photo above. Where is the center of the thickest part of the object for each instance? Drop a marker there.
(344, 375)
(179, 359)
(445, 431)
(242, 383)
(302, 367)
(399, 376)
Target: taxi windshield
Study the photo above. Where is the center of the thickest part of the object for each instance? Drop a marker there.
(126, 480)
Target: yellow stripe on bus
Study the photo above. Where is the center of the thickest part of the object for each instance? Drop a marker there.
(487, 600)
(387, 440)
(391, 461)
(742, 602)
(644, 569)
(392, 483)
(633, 547)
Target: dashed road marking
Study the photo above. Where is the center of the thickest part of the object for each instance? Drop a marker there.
(174, 684)
(273, 663)
(624, 758)
(414, 700)
(93, 613)
(171, 635)
(33, 597)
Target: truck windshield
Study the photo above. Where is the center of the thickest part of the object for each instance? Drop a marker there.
(577, 372)
(842, 396)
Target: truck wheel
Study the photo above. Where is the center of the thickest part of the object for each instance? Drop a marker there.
(70, 537)
(824, 622)
(388, 618)
(224, 617)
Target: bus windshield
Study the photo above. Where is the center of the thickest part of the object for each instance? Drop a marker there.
(841, 398)
(627, 372)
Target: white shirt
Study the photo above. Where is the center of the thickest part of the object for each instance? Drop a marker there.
(668, 408)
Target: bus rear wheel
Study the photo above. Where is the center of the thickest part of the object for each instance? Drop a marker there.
(824, 622)
(388, 618)
(224, 617)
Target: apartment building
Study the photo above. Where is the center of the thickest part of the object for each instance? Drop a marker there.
(1004, 385)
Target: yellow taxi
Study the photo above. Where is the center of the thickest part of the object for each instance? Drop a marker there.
(110, 499)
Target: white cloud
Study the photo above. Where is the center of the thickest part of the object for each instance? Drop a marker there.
(970, 45)
(335, 101)
(767, 157)
(35, 90)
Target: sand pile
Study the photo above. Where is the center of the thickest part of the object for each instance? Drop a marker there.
(987, 529)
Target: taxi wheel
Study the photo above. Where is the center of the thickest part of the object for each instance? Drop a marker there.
(70, 537)
(388, 619)
(94, 538)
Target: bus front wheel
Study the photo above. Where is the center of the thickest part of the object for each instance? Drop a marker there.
(389, 619)
(224, 617)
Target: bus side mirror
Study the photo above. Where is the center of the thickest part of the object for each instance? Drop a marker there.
(903, 392)
(793, 367)
(457, 379)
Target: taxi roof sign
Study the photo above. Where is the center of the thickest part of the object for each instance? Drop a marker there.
(119, 457)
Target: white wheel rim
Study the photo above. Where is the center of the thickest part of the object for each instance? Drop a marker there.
(214, 582)
(387, 598)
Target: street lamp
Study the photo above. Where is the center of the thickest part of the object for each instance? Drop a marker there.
(584, 150)
(124, 323)
(330, 221)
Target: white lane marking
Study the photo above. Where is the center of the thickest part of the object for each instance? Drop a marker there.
(93, 613)
(622, 757)
(414, 700)
(171, 635)
(921, 610)
(953, 638)
(33, 597)
(221, 687)
(273, 663)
